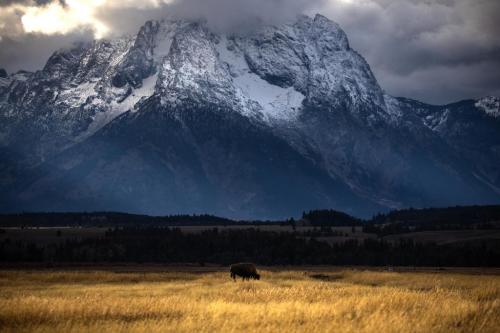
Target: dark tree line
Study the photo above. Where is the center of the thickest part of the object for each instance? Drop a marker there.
(171, 245)
(437, 217)
(107, 219)
(449, 218)
(329, 217)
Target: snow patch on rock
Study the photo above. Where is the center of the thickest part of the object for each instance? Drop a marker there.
(164, 37)
(255, 93)
(275, 102)
(76, 96)
(147, 90)
(436, 121)
(392, 107)
(101, 119)
(489, 105)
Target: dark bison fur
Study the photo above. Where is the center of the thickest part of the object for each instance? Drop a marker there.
(245, 271)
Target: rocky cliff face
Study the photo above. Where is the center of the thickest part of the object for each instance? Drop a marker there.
(262, 124)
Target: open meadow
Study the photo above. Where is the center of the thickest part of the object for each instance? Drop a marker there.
(327, 300)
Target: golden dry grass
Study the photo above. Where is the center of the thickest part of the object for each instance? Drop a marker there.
(346, 301)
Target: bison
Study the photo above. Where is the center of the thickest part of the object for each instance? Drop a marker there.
(245, 271)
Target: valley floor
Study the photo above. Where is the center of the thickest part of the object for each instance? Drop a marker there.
(288, 300)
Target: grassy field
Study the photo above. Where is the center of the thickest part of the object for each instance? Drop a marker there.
(282, 301)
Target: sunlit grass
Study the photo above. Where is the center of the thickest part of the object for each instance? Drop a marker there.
(347, 301)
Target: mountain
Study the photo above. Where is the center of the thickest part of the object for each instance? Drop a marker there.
(259, 124)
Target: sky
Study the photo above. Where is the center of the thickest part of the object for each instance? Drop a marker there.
(437, 51)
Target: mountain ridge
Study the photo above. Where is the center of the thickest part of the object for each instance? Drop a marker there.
(344, 143)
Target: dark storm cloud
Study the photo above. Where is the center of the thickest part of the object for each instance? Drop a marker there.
(32, 51)
(226, 15)
(437, 51)
(234, 14)
(6, 3)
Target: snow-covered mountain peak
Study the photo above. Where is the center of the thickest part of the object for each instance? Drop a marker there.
(314, 57)
(267, 74)
(329, 34)
(192, 70)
